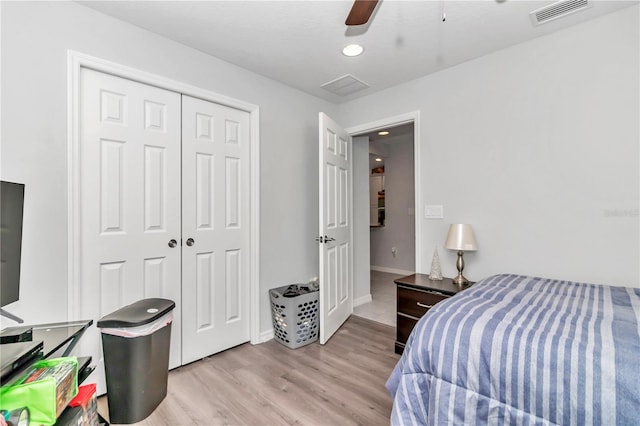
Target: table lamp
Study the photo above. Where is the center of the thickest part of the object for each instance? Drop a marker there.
(461, 238)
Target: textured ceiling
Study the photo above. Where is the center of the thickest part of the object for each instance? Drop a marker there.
(299, 42)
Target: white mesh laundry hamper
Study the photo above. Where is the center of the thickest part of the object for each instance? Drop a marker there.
(295, 316)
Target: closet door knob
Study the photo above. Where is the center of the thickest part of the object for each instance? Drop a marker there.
(190, 242)
(173, 243)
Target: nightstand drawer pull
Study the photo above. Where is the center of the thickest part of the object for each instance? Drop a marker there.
(422, 305)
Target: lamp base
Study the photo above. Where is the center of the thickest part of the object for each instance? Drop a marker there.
(460, 280)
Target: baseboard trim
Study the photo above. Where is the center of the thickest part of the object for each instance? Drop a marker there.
(362, 300)
(391, 270)
(265, 336)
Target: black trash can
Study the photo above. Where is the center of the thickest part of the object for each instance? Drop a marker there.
(135, 343)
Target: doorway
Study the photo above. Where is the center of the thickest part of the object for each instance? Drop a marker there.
(391, 179)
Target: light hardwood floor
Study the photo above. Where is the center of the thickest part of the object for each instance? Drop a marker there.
(340, 383)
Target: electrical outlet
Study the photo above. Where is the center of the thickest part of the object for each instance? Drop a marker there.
(314, 283)
(394, 251)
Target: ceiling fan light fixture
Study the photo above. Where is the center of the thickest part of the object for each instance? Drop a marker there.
(352, 50)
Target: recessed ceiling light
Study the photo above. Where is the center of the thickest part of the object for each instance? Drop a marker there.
(383, 133)
(379, 160)
(352, 50)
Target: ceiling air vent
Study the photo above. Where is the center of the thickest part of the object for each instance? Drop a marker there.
(557, 10)
(345, 85)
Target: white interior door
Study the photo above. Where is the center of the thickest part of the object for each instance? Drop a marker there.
(130, 201)
(216, 232)
(336, 229)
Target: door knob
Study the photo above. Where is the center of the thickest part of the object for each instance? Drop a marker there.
(190, 242)
(173, 243)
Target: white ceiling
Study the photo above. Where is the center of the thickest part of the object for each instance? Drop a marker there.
(403, 132)
(299, 42)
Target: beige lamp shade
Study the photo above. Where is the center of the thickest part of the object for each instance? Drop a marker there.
(461, 237)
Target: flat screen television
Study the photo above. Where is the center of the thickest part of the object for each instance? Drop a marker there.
(11, 210)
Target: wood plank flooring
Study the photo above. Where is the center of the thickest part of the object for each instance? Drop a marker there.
(340, 383)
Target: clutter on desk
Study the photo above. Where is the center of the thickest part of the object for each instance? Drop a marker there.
(17, 417)
(83, 409)
(46, 388)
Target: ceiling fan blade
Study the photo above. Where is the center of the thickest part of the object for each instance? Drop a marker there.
(361, 12)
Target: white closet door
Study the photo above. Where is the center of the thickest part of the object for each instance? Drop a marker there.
(215, 222)
(130, 200)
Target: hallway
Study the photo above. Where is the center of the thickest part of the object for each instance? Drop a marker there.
(382, 308)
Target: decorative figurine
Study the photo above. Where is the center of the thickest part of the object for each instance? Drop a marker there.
(436, 272)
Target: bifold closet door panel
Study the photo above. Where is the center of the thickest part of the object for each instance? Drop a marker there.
(130, 209)
(215, 227)
(164, 211)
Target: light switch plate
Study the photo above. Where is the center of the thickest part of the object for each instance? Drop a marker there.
(433, 212)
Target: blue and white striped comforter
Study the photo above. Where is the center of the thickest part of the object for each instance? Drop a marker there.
(519, 350)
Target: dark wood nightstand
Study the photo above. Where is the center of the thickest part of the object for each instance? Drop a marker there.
(416, 294)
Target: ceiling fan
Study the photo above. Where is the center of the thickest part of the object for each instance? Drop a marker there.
(361, 12)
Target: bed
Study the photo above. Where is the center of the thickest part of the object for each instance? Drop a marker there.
(513, 349)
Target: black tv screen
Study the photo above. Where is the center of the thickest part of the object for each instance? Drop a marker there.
(11, 208)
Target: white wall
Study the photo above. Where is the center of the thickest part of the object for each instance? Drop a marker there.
(537, 146)
(35, 39)
(361, 272)
(399, 223)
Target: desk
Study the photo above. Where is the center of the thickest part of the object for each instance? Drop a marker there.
(58, 340)
(55, 336)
